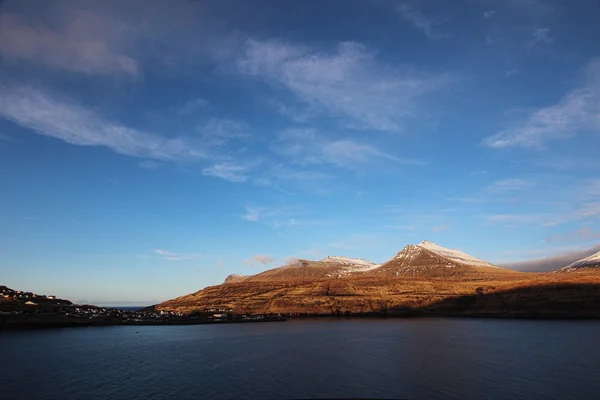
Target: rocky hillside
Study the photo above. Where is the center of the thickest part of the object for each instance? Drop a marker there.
(428, 259)
(592, 261)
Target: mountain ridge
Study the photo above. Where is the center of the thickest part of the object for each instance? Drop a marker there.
(592, 261)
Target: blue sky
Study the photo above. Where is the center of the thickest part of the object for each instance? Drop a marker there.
(150, 149)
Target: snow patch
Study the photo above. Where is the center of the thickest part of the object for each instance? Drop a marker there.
(351, 264)
(453, 255)
(591, 261)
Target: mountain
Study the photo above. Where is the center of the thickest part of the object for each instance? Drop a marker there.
(592, 261)
(428, 259)
(422, 279)
(234, 278)
(332, 267)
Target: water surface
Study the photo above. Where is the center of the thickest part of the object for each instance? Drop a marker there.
(416, 359)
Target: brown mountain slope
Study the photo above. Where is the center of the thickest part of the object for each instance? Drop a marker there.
(503, 294)
(421, 278)
(433, 261)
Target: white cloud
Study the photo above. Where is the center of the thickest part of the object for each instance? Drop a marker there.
(85, 43)
(50, 115)
(306, 147)
(348, 153)
(149, 164)
(585, 212)
(488, 14)
(193, 105)
(541, 36)
(428, 26)
(169, 255)
(349, 84)
(508, 185)
(228, 170)
(218, 131)
(278, 217)
(263, 259)
(478, 173)
(577, 112)
(584, 234)
(441, 228)
(252, 214)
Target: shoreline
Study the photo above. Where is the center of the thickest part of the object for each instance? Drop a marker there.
(57, 323)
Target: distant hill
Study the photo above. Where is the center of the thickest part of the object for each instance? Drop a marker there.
(428, 259)
(592, 261)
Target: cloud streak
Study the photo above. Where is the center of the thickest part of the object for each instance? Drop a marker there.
(307, 147)
(50, 115)
(415, 17)
(583, 234)
(171, 256)
(229, 171)
(577, 112)
(349, 83)
(262, 259)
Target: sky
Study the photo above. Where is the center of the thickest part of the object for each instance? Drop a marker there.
(149, 149)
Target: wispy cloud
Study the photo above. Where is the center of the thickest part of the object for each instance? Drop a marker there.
(541, 36)
(441, 228)
(149, 164)
(488, 14)
(279, 217)
(262, 259)
(193, 105)
(218, 131)
(253, 214)
(349, 83)
(86, 44)
(577, 112)
(479, 172)
(229, 171)
(583, 234)
(306, 147)
(583, 213)
(415, 17)
(52, 115)
(508, 185)
(171, 256)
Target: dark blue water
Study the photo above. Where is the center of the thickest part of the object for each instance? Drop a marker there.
(416, 359)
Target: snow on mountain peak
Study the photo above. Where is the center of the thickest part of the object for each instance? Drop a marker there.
(453, 254)
(591, 261)
(353, 264)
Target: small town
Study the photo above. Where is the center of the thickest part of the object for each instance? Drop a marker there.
(21, 310)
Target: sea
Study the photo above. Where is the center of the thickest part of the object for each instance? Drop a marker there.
(420, 358)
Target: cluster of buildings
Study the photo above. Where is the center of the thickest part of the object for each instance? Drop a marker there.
(91, 312)
(21, 296)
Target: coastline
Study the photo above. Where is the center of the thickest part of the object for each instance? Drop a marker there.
(50, 323)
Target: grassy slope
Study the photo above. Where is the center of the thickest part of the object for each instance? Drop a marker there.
(504, 293)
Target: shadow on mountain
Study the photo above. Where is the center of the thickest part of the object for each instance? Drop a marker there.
(569, 300)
